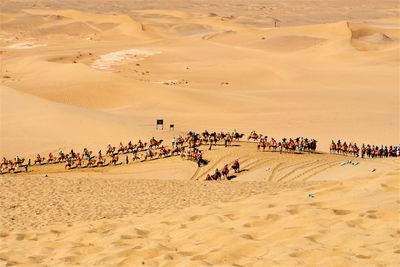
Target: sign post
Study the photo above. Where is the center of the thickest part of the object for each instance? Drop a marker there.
(160, 123)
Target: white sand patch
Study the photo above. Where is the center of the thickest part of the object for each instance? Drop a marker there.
(25, 45)
(109, 60)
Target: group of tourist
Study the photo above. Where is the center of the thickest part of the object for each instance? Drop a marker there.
(224, 173)
(365, 151)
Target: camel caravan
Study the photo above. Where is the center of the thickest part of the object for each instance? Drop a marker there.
(187, 147)
(365, 151)
(297, 145)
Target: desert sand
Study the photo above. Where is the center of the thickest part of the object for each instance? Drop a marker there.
(77, 75)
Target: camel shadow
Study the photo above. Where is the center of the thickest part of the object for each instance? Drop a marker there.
(231, 177)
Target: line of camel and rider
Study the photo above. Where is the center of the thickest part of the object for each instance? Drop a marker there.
(188, 148)
(365, 151)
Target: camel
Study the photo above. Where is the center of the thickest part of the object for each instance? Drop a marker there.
(213, 177)
(192, 143)
(110, 150)
(4, 162)
(154, 143)
(236, 136)
(38, 160)
(273, 144)
(236, 166)
(309, 145)
(130, 147)
(140, 145)
(68, 164)
(51, 158)
(91, 162)
(121, 148)
(332, 147)
(180, 141)
(114, 159)
(12, 168)
(225, 172)
(261, 144)
(100, 162)
(19, 161)
(149, 153)
(61, 158)
(176, 150)
(78, 162)
(164, 152)
(253, 136)
(72, 154)
(136, 155)
(221, 136)
(205, 134)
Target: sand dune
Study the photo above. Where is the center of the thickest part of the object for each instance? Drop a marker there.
(85, 74)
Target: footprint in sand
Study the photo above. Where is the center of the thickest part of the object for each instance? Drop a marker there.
(313, 238)
(247, 236)
(360, 256)
(196, 217)
(126, 237)
(272, 217)
(292, 209)
(341, 212)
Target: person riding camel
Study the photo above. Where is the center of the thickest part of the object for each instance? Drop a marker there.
(225, 171)
(236, 165)
(200, 159)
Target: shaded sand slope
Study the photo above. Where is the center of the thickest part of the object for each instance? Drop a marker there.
(38, 125)
(352, 219)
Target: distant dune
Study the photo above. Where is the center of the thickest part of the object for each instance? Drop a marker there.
(85, 74)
